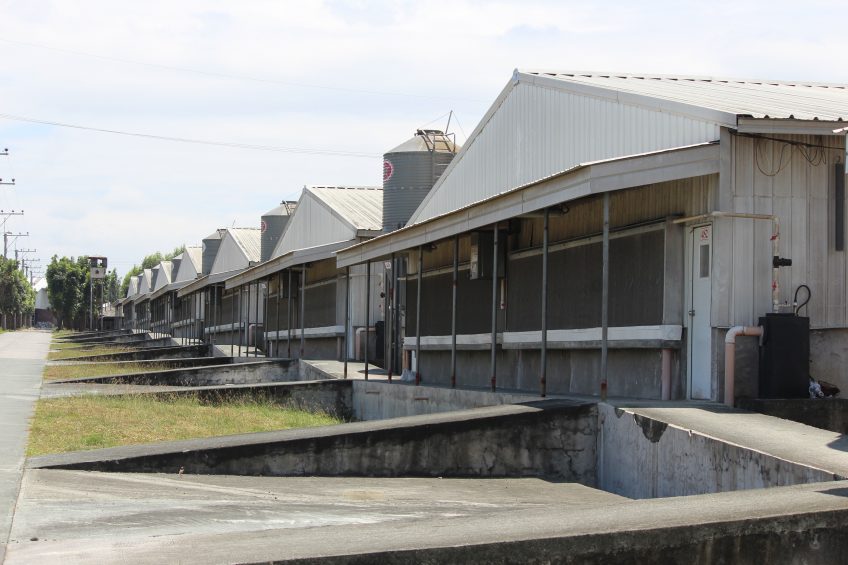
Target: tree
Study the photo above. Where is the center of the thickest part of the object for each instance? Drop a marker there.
(111, 287)
(16, 295)
(67, 287)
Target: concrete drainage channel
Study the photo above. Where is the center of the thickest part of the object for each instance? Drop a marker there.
(715, 460)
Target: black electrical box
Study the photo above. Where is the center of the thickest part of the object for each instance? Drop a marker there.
(785, 356)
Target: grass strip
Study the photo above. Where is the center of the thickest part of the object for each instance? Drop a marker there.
(60, 372)
(93, 421)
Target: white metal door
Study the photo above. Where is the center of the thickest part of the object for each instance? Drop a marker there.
(700, 366)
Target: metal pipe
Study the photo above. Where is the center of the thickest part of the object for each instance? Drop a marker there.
(418, 316)
(289, 314)
(302, 310)
(367, 311)
(605, 297)
(454, 283)
(543, 380)
(730, 358)
(347, 320)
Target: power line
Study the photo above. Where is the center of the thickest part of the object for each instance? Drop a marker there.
(250, 146)
(233, 76)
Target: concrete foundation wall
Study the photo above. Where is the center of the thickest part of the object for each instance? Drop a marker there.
(380, 400)
(551, 439)
(235, 373)
(829, 357)
(826, 414)
(333, 398)
(639, 457)
(151, 354)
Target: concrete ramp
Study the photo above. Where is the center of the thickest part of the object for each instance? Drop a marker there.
(553, 439)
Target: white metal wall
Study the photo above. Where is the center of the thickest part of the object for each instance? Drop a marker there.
(768, 178)
(539, 131)
(311, 225)
(230, 256)
(186, 270)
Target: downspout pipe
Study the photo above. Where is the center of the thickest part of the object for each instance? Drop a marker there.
(730, 358)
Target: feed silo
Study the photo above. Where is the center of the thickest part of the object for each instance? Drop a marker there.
(272, 225)
(409, 172)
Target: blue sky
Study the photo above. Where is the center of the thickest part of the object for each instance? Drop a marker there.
(335, 75)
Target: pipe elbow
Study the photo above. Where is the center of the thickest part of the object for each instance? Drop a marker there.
(730, 337)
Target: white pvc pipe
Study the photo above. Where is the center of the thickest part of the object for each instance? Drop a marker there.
(730, 358)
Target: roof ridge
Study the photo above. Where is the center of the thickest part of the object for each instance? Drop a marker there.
(682, 77)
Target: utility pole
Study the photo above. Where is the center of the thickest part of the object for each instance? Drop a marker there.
(14, 236)
(6, 214)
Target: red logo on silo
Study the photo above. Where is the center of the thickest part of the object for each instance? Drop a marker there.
(388, 170)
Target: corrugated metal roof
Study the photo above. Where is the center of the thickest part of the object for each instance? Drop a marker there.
(361, 206)
(249, 239)
(756, 98)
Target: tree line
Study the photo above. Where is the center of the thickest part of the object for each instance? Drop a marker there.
(69, 288)
(17, 298)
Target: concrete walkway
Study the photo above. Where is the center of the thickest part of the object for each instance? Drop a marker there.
(22, 356)
(73, 517)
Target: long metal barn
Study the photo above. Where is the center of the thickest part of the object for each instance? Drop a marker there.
(629, 235)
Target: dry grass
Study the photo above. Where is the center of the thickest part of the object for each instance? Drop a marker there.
(93, 422)
(63, 333)
(70, 353)
(58, 372)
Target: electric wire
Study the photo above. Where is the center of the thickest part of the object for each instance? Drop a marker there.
(231, 144)
(216, 74)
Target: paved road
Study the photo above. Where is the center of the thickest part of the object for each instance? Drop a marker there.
(22, 356)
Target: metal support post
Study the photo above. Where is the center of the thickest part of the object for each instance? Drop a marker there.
(543, 380)
(605, 297)
(367, 311)
(302, 310)
(277, 317)
(289, 314)
(418, 316)
(256, 324)
(239, 322)
(389, 326)
(494, 358)
(454, 284)
(347, 319)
